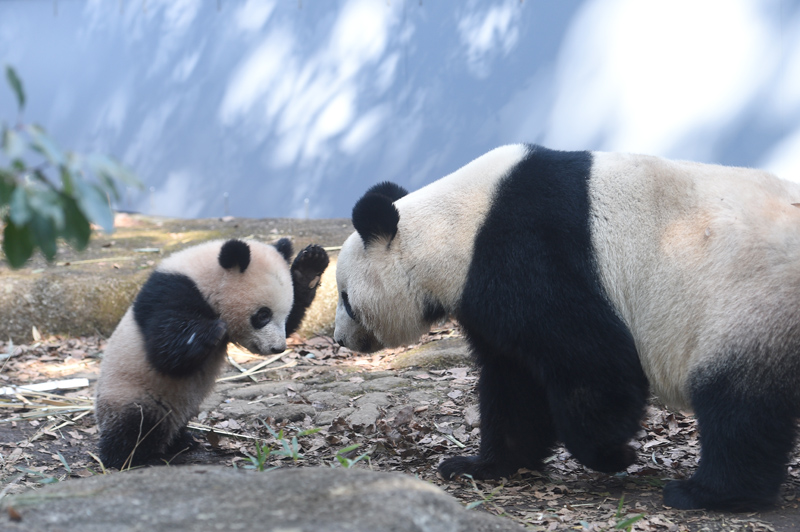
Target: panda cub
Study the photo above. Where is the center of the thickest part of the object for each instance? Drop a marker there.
(164, 356)
(585, 280)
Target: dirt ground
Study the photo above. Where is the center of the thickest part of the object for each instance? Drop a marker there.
(406, 409)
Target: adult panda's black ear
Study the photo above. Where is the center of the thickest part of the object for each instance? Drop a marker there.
(234, 253)
(284, 247)
(375, 216)
(393, 191)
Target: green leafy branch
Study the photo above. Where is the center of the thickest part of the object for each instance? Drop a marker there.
(57, 198)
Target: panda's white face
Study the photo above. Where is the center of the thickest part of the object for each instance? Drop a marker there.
(256, 303)
(379, 304)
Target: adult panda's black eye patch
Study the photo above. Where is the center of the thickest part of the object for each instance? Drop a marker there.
(261, 318)
(347, 308)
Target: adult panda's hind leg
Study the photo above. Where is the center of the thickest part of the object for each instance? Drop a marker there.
(747, 431)
(516, 428)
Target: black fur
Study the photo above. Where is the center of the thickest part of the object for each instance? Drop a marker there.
(557, 364)
(393, 191)
(307, 269)
(234, 253)
(433, 311)
(180, 328)
(284, 247)
(374, 215)
(135, 435)
(747, 432)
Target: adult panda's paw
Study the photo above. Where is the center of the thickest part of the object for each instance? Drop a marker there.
(474, 466)
(693, 495)
(678, 494)
(308, 267)
(608, 460)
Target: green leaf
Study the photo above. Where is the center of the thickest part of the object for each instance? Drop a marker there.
(103, 165)
(13, 145)
(47, 203)
(17, 244)
(66, 180)
(349, 448)
(7, 186)
(19, 212)
(44, 232)
(16, 86)
(628, 522)
(94, 204)
(77, 229)
(44, 144)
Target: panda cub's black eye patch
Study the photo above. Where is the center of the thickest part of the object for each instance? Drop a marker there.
(261, 318)
(347, 307)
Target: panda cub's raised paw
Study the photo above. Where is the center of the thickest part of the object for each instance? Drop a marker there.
(309, 266)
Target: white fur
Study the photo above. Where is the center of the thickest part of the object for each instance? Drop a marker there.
(127, 377)
(695, 258)
(425, 258)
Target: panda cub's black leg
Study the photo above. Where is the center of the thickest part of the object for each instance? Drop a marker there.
(747, 433)
(133, 436)
(516, 428)
(307, 269)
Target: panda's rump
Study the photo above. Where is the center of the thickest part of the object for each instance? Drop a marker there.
(699, 260)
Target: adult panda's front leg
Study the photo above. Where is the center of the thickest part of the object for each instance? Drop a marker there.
(307, 269)
(747, 432)
(516, 428)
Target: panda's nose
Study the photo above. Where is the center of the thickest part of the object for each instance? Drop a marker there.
(276, 350)
(340, 342)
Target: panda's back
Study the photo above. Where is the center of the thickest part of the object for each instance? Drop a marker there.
(697, 258)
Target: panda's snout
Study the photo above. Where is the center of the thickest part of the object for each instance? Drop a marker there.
(340, 342)
(276, 350)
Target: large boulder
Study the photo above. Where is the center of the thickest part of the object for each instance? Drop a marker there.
(194, 498)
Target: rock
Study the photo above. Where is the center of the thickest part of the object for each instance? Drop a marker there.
(327, 400)
(342, 387)
(364, 418)
(279, 412)
(215, 498)
(384, 384)
(375, 398)
(446, 353)
(326, 418)
(265, 388)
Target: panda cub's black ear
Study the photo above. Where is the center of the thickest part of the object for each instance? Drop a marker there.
(374, 216)
(234, 253)
(284, 247)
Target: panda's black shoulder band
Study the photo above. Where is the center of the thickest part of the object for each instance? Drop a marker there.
(234, 253)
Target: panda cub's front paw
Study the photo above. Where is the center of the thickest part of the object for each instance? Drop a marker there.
(309, 265)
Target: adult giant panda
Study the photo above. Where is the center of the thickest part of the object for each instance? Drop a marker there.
(164, 356)
(581, 277)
